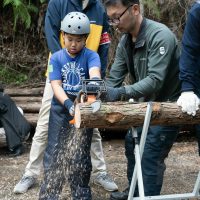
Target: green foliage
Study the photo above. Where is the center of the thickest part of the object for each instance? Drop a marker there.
(21, 11)
(9, 76)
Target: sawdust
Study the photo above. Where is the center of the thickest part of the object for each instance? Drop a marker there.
(182, 169)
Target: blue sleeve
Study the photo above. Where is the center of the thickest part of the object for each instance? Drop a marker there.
(190, 49)
(103, 48)
(93, 60)
(52, 25)
(54, 68)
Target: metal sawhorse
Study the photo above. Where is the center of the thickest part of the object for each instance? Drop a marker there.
(137, 174)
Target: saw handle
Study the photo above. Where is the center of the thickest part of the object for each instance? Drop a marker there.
(89, 98)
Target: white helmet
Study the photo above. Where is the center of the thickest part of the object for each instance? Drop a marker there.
(75, 23)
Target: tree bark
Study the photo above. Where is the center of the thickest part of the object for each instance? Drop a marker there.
(24, 91)
(120, 115)
(33, 107)
(27, 99)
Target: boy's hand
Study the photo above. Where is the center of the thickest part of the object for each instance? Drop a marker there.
(69, 105)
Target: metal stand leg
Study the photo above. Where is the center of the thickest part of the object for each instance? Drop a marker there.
(138, 163)
(137, 174)
(138, 154)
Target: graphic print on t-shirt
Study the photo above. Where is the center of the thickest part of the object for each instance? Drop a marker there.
(71, 76)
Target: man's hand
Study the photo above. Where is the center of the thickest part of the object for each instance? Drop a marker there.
(92, 86)
(69, 105)
(113, 94)
(189, 102)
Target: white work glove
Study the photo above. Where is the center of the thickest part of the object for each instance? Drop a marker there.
(189, 102)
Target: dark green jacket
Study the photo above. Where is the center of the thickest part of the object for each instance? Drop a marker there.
(152, 63)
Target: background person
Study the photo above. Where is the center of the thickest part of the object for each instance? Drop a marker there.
(190, 65)
(15, 126)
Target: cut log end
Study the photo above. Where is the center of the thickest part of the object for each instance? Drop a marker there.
(77, 116)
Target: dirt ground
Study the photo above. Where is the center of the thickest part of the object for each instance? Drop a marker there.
(182, 169)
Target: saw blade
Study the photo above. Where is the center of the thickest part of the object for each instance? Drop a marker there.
(96, 105)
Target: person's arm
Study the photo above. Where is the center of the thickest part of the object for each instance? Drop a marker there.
(94, 65)
(190, 52)
(56, 83)
(95, 72)
(59, 93)
(161, 51)
(52, 25)
(189, 70)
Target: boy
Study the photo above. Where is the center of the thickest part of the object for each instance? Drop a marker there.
(98, 40)
(67, 68)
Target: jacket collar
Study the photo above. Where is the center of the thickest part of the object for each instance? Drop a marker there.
(140, 41)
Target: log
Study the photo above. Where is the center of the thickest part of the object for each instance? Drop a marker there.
(27, 99)
(123, 115)
(32, 107)
(24, 91)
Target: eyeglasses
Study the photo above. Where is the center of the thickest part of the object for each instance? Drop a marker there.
(116, 21)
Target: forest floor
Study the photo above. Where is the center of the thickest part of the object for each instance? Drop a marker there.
(182, 169)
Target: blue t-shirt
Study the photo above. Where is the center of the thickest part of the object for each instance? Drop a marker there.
(72, 70)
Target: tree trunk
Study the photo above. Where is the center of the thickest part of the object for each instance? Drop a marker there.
(120, 115)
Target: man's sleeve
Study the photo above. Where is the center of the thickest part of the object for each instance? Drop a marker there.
(190, 52)
(52, 26)
(118, 69)
(104, 46)
(161, 51)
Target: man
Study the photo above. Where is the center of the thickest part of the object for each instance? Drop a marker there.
(190, 65)
(148, 51)
(98, 40)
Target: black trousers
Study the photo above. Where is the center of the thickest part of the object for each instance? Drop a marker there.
(15, 125)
